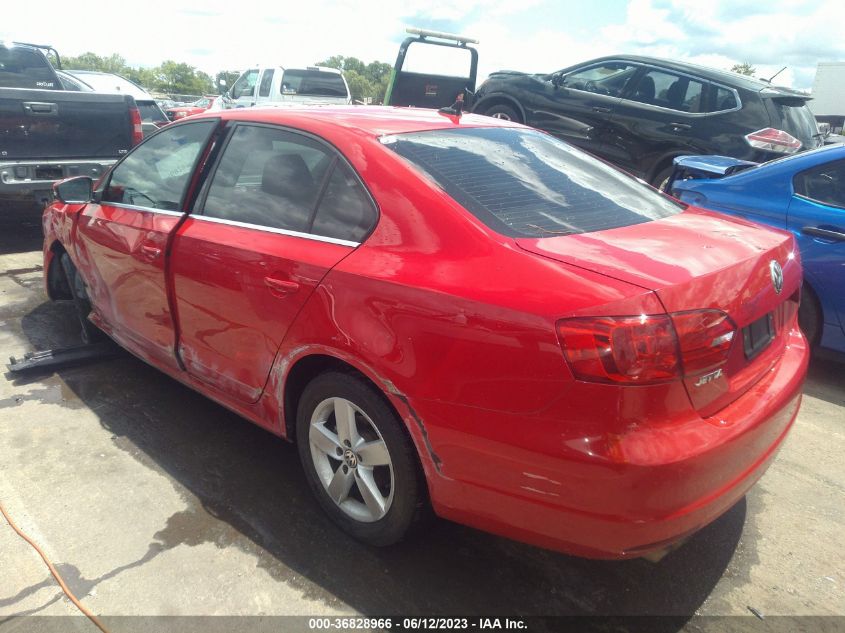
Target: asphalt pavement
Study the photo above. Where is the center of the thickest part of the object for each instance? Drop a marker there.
(152, 500)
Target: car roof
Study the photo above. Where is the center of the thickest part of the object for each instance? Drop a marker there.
(711, 74)
(110, 82)
(372, 120)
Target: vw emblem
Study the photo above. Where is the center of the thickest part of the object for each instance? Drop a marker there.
(350, 458)
(777, 275)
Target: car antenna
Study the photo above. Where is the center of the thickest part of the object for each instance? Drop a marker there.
(456, 108)
(769, 80)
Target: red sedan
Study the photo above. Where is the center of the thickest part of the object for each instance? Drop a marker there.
(197, 107)
(456, 314)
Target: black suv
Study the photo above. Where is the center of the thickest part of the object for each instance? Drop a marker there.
(641, 112)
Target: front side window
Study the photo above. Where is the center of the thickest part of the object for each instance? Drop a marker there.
(668, 90)
(824, 184)
(523, 183)
(274, 178)
(245, 85)
(156, 174)
(609, 78)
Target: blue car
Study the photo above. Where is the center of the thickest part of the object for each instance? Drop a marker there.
(803, 193)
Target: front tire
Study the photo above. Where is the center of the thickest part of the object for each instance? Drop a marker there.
(502, 111)
(90, 332)
(359, 460)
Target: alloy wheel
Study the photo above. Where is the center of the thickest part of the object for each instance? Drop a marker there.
(351, 459)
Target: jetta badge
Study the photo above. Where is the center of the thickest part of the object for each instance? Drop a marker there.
(777, 275)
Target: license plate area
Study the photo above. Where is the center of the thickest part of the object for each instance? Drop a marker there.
(48, 173)
(758, 335)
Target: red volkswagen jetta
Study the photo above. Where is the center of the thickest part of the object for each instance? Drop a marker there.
(457, 314)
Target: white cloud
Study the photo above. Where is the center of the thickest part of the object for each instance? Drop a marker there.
(222, 34)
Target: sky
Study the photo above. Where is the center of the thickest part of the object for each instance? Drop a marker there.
(528, 35)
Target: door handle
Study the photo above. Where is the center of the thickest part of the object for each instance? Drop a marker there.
(36, 108)
(601, 109)
(281, 286)
(152, 252)
(825, 234)
(677, 127)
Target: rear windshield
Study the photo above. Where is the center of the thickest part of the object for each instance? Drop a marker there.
(524, 183)
(795, 117)
(26, 68)
(314, 83)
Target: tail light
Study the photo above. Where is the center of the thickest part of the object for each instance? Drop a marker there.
(137, 129)
(773, 140)
(646, 349)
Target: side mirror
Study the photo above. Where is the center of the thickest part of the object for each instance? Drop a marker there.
(558, 79)
(77, 190)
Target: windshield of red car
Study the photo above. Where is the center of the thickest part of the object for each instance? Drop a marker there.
(525, 183)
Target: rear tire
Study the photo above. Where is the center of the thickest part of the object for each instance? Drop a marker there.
(359, 461)
(661, 179)
(810, 315)
(502, 111)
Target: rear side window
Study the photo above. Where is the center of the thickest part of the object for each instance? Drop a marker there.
(276, 179)
(824, 184)
(314, 83)
(667, 90)
(26, 68)
(724, 99)
(156, 174)
(524, 183)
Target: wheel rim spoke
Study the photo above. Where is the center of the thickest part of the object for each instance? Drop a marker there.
(344, 415)
(324, 440)
(370, 493)
(373, 453)
(340, 485)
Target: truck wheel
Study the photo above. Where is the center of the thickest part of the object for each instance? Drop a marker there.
(502, 111)
(359, 461)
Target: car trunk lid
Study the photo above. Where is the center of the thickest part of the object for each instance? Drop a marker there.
(700, 260)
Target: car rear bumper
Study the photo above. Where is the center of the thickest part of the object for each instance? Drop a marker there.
(25, 178)
(653, 487)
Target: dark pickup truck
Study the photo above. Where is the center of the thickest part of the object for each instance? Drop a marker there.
(47, 133)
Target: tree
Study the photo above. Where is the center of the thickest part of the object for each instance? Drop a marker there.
(744, 69)
(228, 76)
(365, 80)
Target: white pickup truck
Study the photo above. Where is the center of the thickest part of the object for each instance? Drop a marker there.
(276, 85)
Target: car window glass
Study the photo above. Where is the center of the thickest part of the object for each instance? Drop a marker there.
(824, 184)
(609, 78)
(724, 99)
(266, 80)
(345, 212)
(156, 174)
(524, 183)
(268, 177)
(245, 85)
(668, 90)
(25, 68)
(315, 83)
